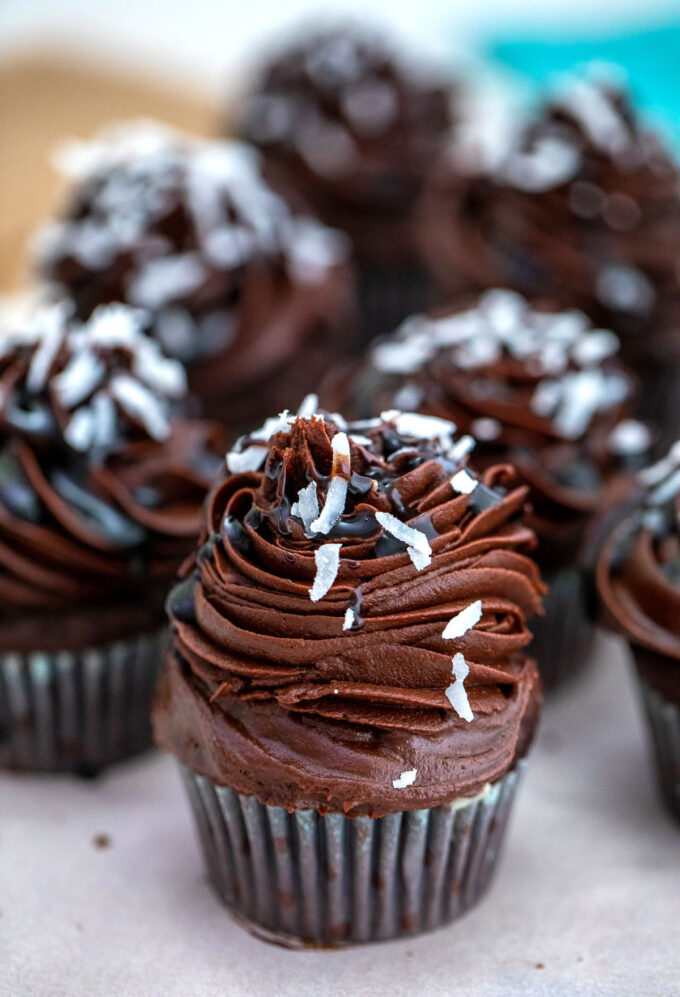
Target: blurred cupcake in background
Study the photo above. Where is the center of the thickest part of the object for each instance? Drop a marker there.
(348, 691)
(239, 287)
(583, 206)
(101, 488)
(539, 389)
(351, 126)
(638, 581)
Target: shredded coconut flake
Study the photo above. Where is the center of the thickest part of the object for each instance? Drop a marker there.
(417, 543)
(459, 624)
(348, 622)
(336, 496)
(78, 379)
(461, 448)
(141, 404)
(456, 692)
(307, 506)
(405, 779)
(309, 406)
(327, 560)
(53, 324)
(463, 483)
(629, 438)
(422, 427)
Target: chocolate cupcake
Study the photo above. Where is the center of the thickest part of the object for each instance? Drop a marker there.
(543, 391)
(582, 208)
(348, 691)
(352, 126)
(638, 581)
(239, 286)
(101, 490)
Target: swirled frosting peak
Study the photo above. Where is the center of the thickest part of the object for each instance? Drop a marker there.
(101, 479)
(540, 388)
(91, 385)
(346, 108)
(360, 599)
(638, 573)
(175, 225)
(581, 205)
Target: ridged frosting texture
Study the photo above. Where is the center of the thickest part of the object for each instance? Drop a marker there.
(351, 634)
(101, 480)
(541, 389)
(582, 206)
(638, 572)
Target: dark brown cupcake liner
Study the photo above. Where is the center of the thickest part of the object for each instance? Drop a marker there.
(658, 400)
(305, 879)
(388, 295)
(663, 723)
(563, 638)
(78, 711)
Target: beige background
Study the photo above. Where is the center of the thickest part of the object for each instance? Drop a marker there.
(44, 100)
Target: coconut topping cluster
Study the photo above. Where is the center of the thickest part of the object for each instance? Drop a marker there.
(328, 97)
(566, 357)
(95, 383)
(588, 114)
(172, 212)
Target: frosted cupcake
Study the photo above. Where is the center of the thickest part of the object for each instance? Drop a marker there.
(583, 208)
(101, 489)
(238, 286)
(543, 391)
(638, 579)
(351, 125)
(348, 691)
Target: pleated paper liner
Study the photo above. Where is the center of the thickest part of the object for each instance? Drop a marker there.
(663, 724)
(563, 638)
(78, 711)
(302, 879)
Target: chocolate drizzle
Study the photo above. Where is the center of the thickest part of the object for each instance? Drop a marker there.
(275, 695)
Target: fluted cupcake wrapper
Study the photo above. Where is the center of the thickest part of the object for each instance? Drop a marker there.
(388, 295)
(78, 711)
(663, 722)
(563, 638)
(303, 878)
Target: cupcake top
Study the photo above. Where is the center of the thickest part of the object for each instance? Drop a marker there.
(583, 206)
(638, 572)
(542, 389)
(101, 481)
(350, 117)
(350, 636)
(189, 230)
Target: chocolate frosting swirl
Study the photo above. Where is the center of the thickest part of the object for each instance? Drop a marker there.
(638, 575)
(236, 283)
(537, 388)
(583, 208)
(325, 703)
(352, 127)
(101, 482)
